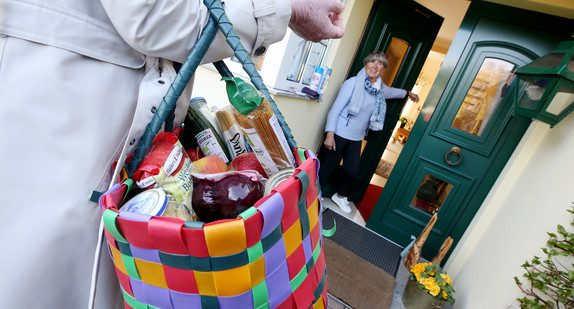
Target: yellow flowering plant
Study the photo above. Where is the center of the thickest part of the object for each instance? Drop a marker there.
(430, 279)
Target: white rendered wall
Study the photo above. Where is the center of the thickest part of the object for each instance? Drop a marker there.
(529, 199)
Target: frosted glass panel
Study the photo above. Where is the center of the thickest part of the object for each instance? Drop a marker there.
(483, 96)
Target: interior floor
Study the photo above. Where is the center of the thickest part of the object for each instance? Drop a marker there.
(388, 160)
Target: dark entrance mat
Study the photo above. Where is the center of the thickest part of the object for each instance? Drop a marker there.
(358, 283)
(363, 242)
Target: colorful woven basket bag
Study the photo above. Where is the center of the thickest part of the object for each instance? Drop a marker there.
(271, 256)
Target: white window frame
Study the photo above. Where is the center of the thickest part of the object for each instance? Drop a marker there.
(299, 63)
(279, 59)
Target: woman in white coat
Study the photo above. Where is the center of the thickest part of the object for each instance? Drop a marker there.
(73, 76)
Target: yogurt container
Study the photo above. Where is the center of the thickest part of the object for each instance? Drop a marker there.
(150, 202)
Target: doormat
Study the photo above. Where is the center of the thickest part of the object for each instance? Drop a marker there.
(356, 282)
(384, 168)
(367, 204)
(363, 242)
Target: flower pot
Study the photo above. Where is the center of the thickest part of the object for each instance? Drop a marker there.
(415, 298)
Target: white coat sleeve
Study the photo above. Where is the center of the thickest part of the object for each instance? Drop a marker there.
(169, 28)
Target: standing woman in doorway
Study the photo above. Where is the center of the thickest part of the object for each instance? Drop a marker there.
(360, 106)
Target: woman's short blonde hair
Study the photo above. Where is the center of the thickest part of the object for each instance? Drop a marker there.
(376, 56)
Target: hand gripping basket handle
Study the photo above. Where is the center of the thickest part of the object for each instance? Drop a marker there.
(165, 111)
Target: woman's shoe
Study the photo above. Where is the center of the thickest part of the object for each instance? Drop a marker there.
(342, 203)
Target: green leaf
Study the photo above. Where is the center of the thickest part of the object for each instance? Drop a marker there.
(546, 278)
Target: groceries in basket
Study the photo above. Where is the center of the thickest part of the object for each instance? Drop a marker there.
(155, 202)
(200, 104)
(214, 185)
(247, 161)
(211, 164)
(194, 153)
(226, 195)
(167, 166)
(206, 189)
(254, 115)
(232, 133)
(203, 132)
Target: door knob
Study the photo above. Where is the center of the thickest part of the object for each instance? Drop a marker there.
(455, 151)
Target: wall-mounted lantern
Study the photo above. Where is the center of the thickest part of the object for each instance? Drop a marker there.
(546, 86)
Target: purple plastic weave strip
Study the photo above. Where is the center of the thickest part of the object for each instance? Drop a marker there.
(272, 210)
(137, 289)
(278, 285)
(156, 296)
(241, 301)
(308, 248)
(134, 216)
(184, 300)
(276, 255)
(311, 156)
(150, 255)
(112, 189)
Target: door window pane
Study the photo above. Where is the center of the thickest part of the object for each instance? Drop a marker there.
(431, 194)
(483, 97)
(395, 55)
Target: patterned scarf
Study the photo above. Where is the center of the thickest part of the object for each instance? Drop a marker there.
(377, 119)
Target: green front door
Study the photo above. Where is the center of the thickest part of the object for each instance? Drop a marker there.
(451, 161)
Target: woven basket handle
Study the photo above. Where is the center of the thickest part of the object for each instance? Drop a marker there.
(165, 111)
(218, 13)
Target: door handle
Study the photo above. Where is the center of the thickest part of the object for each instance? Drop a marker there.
(455, 151)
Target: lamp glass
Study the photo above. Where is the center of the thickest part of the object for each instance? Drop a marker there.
(534, 90)
(548, 61)
(561, 101)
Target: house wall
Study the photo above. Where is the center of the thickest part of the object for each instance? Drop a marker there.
(306, 118)
(529, 199)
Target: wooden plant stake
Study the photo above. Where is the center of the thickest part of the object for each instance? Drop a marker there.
(414, 254)
(443, 250)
